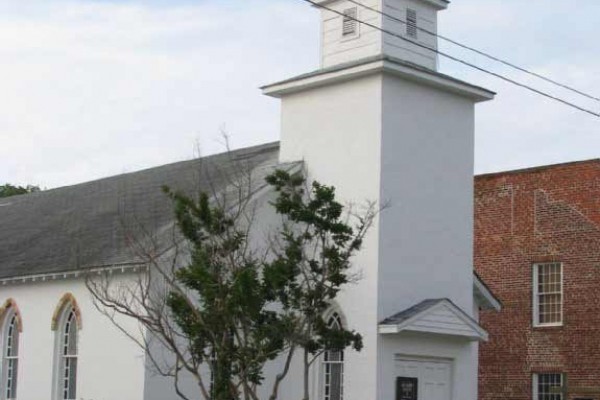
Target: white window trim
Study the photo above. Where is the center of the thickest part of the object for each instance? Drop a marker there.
(535, 380)
(536, 310)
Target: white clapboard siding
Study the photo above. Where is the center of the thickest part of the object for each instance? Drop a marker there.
(337, 48)
(400, 48)
(441, 320)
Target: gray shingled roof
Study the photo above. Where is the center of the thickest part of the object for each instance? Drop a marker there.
(402, 320)
(418, 308)
(85, 225)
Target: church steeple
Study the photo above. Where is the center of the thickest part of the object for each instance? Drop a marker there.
(344, 40)
(378, 122)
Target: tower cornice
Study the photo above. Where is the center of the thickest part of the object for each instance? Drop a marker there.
(373, 65)
(439, 4)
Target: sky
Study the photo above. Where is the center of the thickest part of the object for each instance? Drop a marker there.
(90, 89)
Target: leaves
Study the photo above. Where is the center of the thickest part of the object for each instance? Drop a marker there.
(247, 311)
(8, 190)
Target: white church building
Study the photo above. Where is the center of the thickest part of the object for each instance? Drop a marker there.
(378, 122)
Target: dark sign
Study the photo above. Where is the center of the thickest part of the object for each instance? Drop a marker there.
(407, 388)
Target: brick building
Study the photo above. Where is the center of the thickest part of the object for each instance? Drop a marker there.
(537, 245)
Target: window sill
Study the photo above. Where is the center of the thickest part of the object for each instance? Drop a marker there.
(549, 326)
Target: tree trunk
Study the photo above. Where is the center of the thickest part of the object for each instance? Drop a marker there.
(306, 367)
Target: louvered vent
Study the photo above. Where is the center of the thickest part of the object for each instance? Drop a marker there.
(411, 23)
(350, 25)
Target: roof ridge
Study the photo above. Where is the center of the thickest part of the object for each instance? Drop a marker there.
(234, 153)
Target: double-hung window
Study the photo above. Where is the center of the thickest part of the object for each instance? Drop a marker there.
(548, 386)
(548, 294)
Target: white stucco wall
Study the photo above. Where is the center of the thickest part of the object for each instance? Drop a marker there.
(426, 247)
(110, 367)
(422, 346)
(335, 130)
(426, 235)
(386, 138)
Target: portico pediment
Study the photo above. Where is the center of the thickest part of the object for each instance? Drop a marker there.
(436, 316)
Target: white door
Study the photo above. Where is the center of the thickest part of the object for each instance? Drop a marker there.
(434, 377)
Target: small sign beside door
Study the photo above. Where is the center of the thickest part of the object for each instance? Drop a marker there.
(407, 388)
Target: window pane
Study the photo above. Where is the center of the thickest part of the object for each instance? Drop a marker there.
(549, 387)
(11, 384)
(72, 346)
(13, 336)
(72, 378)
(336, 382)
(334, 356)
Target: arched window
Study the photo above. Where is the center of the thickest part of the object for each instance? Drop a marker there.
(333, 366)
(66, 353)
(10, 353)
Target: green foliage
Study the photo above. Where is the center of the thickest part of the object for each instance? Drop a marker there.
(313, 265)
(8, 190)
(230, 326)
(247, 310)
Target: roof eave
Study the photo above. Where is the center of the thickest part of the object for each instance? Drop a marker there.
(488, 301)
(477, 336)
(437, 4)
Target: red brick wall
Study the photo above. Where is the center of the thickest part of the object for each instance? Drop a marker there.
(542, 214)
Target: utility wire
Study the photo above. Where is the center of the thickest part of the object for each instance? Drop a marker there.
(458, 60)
(480, 52)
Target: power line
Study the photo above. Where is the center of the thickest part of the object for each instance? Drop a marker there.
(458, 60)
(480, 52)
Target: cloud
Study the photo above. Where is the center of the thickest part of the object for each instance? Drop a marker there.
(95, 88)
(519, 128)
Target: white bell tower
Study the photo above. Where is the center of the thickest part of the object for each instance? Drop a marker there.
(379, 122)
(344, 39)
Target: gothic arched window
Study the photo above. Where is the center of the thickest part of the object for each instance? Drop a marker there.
(67, 324)
(10, 353)
(333, 366)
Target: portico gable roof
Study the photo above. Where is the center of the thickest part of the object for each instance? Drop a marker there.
(436, 316)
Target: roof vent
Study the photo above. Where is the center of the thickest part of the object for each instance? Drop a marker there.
(411, 23)
(350, 24)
